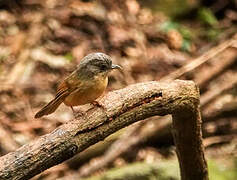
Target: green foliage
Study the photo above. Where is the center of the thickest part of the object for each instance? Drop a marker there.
(220, 171)
(169, 25)
(170, 7)
(165, 170)
(211, 31)
(69, 56)
(184, 31)
(186, 45)
(141, 171)
(207, 17)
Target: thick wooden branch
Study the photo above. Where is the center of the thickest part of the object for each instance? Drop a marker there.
(120, 109)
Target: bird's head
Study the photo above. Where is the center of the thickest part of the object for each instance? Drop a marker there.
(97, 63)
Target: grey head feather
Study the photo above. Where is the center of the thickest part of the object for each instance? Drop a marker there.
(96, 58)
(94, 63)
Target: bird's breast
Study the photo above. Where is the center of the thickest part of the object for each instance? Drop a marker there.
(87, 91)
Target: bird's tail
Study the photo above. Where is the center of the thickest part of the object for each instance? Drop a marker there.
(51, 106)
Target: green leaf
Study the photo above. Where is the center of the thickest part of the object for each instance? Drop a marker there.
(186, 45)
(207, 17)
(69, 56)
(168, 25)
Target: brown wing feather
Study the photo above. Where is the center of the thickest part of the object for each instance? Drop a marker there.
(64, 89)
(63, 92)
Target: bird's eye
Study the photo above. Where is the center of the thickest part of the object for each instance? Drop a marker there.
(103, 67)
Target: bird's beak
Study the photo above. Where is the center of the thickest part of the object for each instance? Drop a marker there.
(115, 66)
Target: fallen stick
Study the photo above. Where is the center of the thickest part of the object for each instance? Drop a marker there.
(215, 67)
(121, 108)
(213, 93)
(196, 62)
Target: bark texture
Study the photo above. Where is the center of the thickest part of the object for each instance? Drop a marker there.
(120, 109)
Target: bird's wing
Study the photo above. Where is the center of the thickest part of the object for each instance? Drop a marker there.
(64, 89)
(68, 85)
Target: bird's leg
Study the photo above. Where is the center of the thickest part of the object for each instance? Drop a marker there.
(72, 110)
(76, 114)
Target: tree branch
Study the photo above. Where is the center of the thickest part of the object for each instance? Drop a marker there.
(121, 108)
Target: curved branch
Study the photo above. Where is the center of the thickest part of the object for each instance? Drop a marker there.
(120, 109)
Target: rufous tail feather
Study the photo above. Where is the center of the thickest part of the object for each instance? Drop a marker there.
(52, 105)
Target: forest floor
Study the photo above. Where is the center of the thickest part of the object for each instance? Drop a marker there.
(41, 42)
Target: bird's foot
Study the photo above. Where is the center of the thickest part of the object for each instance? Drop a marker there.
(96, 103)
(77, 114)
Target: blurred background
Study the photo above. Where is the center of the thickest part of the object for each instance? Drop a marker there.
(42, 41)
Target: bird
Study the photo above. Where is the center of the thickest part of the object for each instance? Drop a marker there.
(84, 85)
